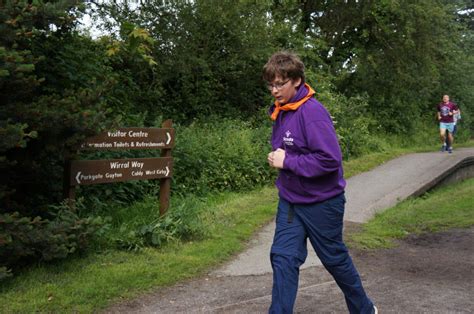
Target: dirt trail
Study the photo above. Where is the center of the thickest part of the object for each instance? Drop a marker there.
(431, 273)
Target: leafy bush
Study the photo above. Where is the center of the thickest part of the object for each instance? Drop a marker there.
(352, 120)
(23, 239)
(220, 155)
(52, 84)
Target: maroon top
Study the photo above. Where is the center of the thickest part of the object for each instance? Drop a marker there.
(444, 109)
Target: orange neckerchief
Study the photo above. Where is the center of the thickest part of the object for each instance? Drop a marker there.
(292, 105)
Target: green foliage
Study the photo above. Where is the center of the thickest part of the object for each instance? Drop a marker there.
(353, 123)
(137, 84)
(48, 97)
(209, 57)
(51, 84)
(464, 127)
(25, 239)
(140, 225)
(403, 55)
(225, 155)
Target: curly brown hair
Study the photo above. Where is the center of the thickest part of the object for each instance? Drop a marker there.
(284, 64)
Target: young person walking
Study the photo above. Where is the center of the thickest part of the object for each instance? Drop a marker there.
(311, 186)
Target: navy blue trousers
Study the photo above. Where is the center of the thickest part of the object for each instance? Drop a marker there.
(322, 224)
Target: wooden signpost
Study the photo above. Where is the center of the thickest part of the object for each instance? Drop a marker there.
(86, 172)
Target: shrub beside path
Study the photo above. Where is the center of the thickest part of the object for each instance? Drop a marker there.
(414, 277)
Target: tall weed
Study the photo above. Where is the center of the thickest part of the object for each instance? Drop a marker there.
(141, 225)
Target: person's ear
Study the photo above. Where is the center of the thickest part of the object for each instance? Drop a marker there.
(297, 82)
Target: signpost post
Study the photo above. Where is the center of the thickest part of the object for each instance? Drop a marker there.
(86, 172)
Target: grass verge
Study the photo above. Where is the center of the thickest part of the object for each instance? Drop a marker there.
(443, 209)
(92, 282)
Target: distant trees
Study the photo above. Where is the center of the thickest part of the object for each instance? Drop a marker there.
(209, 55)
(403, 54)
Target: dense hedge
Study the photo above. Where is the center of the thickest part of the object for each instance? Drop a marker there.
(225, 155)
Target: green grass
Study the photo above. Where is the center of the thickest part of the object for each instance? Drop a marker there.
(443, 209)
(469, 143)
(92, 282)
(89, 283)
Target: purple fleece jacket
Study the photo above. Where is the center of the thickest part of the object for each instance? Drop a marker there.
(312, 170)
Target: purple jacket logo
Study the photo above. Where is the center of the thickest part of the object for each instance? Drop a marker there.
(288, 140)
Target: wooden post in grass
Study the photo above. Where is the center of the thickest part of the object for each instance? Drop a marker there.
(69, 192)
